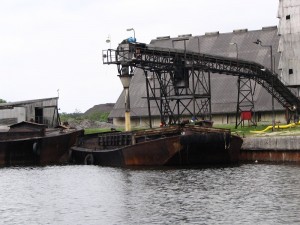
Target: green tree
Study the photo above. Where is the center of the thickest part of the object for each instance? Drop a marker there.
(2, 101)
(98, 116)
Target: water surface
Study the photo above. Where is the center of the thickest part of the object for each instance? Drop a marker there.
(246, 194)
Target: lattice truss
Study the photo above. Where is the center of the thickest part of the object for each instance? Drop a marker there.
(245, 102)
(179, 95)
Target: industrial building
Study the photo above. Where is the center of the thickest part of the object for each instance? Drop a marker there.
(289, 42)
(274, 51)
(43, 111)
(224, 91)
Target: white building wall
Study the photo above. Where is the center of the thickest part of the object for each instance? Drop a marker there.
(15, 115)
(289, 44)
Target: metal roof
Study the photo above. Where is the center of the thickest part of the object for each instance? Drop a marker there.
(25, 102)
(223, 87)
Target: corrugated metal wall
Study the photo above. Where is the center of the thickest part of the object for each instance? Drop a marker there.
(49, 113)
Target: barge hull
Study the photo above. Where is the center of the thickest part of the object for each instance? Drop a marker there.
(52, 149)
(181, 148)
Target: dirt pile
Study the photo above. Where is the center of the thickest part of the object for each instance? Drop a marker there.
(84, 124)
(104, 108)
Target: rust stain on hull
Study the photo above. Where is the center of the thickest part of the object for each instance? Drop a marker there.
(152, 153)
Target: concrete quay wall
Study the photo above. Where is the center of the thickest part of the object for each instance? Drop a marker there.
(271, 149)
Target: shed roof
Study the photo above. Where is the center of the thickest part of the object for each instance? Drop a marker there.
(25, 102)
(26, 124)
(223, 87)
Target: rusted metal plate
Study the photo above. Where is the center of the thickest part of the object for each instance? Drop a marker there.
(152, 153)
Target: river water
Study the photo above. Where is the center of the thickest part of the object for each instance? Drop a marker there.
(245, 194)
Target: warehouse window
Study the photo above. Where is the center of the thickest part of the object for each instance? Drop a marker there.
(290, 71)
(288, 17)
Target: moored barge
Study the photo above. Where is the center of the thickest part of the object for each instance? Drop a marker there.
(28, 143)
(165, 146)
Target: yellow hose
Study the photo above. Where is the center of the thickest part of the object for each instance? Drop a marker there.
(275, 127)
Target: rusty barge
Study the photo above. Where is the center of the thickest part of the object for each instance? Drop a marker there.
(165, 146)
(28, 143)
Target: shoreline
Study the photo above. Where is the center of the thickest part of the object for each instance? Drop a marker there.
(271, 148)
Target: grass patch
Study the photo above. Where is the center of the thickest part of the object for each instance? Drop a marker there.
(242, 131)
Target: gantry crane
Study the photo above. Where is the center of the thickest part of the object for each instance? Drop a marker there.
(179, 80)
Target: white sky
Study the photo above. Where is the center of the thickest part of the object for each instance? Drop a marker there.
(46, 45)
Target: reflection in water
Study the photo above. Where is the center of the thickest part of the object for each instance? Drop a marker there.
(248, 194)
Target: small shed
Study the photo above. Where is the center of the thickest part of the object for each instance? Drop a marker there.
(40, 111)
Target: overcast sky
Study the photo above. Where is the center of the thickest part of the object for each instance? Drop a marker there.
(46, 45)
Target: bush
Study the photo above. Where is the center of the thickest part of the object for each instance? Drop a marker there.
(96, 116)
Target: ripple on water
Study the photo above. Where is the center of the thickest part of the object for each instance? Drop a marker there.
(246, 194)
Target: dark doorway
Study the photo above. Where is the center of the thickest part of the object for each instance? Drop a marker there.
(39, 115)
